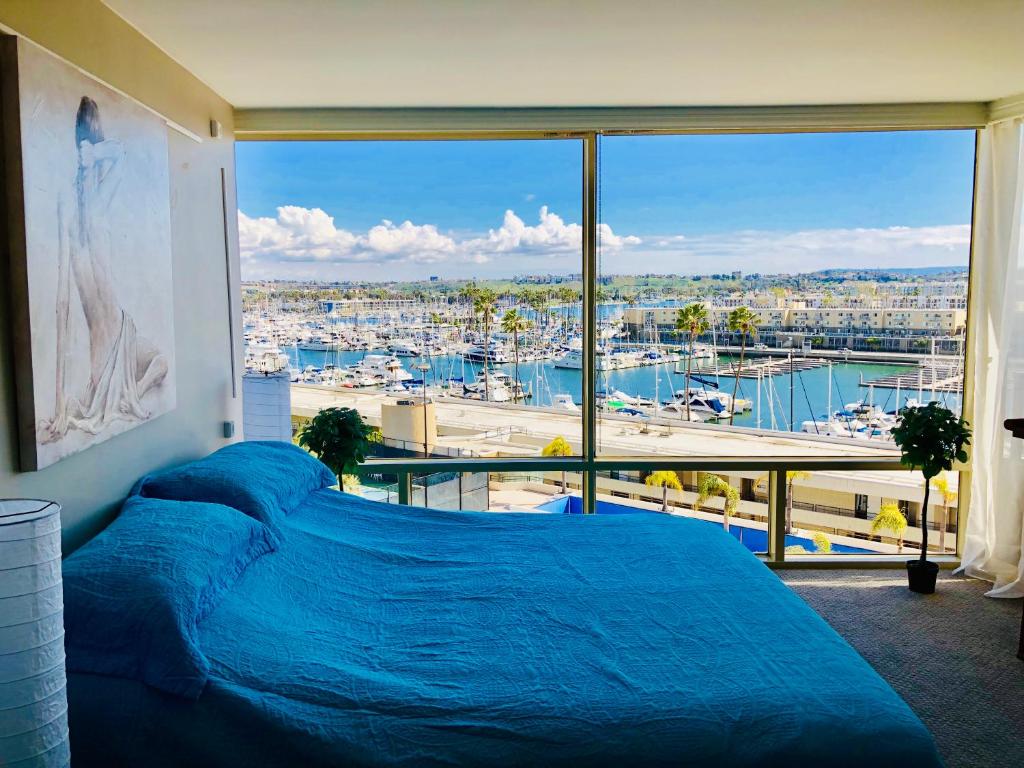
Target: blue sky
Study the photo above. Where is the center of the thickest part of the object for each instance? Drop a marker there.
(686, 204)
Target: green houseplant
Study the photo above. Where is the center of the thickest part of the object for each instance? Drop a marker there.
(339, 438)
(930, 439)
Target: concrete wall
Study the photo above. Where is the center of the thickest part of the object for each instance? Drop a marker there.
(91, 484)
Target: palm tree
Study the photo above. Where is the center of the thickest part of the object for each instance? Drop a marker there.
(942, 485)
(467, 294)
(693, 320)
(567, 297)
(538, 302)
(792, 476)
(483, 305)
(889, 518)
(713, 485)
(743, 321)
(558, 447)
(514, 323)
(664, 479)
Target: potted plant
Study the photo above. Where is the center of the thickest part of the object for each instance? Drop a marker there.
(339, 438)
(930, 439)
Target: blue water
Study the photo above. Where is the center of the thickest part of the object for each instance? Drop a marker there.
(810, 388)
(754, 539)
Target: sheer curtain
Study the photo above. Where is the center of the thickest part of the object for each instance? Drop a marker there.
(995, 525)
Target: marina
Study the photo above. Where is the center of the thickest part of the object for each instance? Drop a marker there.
(519, 350)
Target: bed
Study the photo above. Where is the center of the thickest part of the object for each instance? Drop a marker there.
(359, 633)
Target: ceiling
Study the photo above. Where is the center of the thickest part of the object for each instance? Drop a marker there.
(485, 53)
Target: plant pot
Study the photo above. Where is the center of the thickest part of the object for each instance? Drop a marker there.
(921, 576)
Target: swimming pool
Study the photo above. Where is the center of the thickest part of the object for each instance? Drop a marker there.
(754, 539)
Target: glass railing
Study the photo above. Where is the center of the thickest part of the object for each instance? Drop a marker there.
(797, 510)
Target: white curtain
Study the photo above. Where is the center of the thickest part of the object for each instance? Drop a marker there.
(995, 525)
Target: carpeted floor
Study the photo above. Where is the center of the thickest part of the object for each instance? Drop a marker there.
(951, 655)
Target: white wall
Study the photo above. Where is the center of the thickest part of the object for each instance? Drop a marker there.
(91, 484)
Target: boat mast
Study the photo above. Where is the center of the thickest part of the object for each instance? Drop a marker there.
(829, 411)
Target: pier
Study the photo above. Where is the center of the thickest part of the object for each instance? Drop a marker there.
(935, 377)
(757, 368)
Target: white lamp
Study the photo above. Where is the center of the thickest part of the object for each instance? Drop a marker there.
(33, 696)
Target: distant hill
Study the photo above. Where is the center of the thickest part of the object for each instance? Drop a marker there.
(921, 271)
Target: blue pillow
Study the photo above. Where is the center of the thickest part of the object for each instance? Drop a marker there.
(262, 479)
(134, 595)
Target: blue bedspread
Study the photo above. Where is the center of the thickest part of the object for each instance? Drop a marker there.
(385, 635)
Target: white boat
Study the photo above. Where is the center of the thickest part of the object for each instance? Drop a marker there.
(318, 343)
(700, 352)
(502, 379)
(388, 367)
(636, 401)
(573, 360)
(266, 357)
(701, 401)
(404, 348)
(354, 378)
(826, 427)
(493, 354)
(676, 410)
(564, 402)
(492, 391)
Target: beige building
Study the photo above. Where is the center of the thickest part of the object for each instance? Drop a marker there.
(801, 319)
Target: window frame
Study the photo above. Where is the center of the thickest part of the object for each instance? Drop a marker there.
(588, 126)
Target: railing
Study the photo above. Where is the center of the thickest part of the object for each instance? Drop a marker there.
(586, 470)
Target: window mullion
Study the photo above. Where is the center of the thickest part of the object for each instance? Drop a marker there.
(589, 372)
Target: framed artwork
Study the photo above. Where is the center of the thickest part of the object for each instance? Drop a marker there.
(88, 224)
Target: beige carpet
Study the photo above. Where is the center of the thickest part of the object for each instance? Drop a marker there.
(951, 655)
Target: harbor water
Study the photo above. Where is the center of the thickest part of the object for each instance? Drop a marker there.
(780, 401)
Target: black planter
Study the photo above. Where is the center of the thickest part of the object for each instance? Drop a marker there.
(921, 576)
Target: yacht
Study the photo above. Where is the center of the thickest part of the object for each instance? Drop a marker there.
(500, 378)
(404, 348)
(493, 354)
(491, 391)
(321, 342)
(573, 360)
(388, 368)
(266, 357)
(701, 401)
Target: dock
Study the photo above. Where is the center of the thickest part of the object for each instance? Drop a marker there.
(937, 377)
(757, 367)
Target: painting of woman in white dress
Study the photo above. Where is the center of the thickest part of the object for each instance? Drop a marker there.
(97, 261)
(124, 366)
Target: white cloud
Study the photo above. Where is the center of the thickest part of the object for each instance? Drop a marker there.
(310, 235)
(306, 242)
(796, 251)
(299, 234)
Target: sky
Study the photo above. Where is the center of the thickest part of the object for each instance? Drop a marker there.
(384, 211)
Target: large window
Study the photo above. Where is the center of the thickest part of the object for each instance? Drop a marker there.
(782, 294)
(435, 287)
(717, 326)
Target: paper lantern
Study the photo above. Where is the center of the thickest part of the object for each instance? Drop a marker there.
(33, 695)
